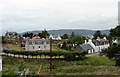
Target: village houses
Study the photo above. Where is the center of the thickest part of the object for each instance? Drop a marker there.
(55, 37)
(12, 35)
(94, 45)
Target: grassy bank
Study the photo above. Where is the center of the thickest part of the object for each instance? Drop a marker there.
(91, 66)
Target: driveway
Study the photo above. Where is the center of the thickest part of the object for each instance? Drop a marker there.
(93, 54)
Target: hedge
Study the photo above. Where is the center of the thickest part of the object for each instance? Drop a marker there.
(68, 55)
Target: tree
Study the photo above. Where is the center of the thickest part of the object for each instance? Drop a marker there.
(28, 35)
(40, 34)
(65, 36)
(73, 34)
(64, 46)
(97, 34)
(115, 32)
(76, 40)
(45, 34)
(113, 52)
(25, 35)
(104, 35)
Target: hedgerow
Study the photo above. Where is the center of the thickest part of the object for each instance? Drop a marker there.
(68, 55)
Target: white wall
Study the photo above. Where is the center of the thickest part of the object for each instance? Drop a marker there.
(0, 63)
(43, 47)
(36, 47)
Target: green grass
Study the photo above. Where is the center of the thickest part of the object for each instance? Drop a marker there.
(91, 66)
(95, 61)
(14, 47)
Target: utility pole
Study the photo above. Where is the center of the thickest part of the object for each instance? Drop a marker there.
(20, 37)
(50, 54)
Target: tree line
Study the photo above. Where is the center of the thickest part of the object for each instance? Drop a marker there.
(44, 34)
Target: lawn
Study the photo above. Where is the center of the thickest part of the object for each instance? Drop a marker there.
(96, 65)
(16, 47)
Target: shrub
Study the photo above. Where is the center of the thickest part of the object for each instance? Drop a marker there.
(70, 56)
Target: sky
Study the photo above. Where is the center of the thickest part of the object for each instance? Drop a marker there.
(27, 15)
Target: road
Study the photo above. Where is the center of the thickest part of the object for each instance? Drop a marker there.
(93, 54)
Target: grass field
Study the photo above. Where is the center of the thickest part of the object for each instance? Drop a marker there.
(16, 47)
(96, 65)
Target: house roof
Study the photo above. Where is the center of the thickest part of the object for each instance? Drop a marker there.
(37, 37)
(99, 42)
(38, 41)
(86, 47)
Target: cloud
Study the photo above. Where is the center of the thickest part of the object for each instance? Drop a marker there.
(22, 15)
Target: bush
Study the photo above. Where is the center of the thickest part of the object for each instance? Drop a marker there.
(113, 53)
(70, 56)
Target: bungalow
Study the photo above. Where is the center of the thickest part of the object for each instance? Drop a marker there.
(85, 47)
(37, 45)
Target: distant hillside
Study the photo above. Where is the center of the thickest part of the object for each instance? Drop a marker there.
(69, 31)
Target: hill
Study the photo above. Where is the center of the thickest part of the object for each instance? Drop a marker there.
(69, 31)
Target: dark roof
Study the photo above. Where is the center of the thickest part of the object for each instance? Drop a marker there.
(86, 47)
(38, 41)
(99, 42)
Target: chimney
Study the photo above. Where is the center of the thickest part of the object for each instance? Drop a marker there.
(85, 41)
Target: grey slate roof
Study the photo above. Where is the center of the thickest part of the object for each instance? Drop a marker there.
(38, 41)
(99, 42)
(86, 47)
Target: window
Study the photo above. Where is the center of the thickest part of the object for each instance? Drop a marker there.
(39, 47)
(44, 46)
(42, 42)
(33, 42)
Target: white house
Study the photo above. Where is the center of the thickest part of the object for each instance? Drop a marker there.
(55, 37)
(94, 45)
(37, 45)
(116, 41)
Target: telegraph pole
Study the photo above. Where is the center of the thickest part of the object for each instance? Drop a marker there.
(20, 37)
(50, 54)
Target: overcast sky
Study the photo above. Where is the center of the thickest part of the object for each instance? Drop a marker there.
(26, 15)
